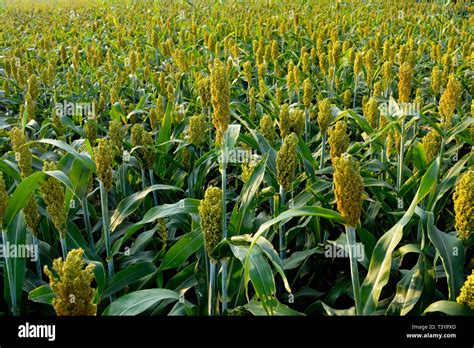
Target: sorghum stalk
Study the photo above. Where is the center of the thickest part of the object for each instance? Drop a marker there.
(211, 302)
(211, 225)
(87, 223)
(224, 227)
(351, 241)
(103, 160)
(9, 273)
(323, 145)
(3, 207)
(152, 182)
(281, 227)
(400, 158)
(106, 228)
(348, 190)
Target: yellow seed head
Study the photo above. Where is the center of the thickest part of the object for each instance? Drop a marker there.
(431, 143)
(347, 98)
(220, 92)
(73, 282)
(210, 212)
(338, 140)
(197, 130)
(32, 217)
(267, 128)
(22, 151)
(103, 162)
(464, 205)
(90, 132)
(348, 188)
(450, 99)
(204, 87)
(324, 115)
(466, 297)
(377, 90)
(307, 93)
(30, 106)
(371, 112)
(116, 134)
(284, 121)
(404, 84)
(436, 82)
(323, 63)
(287, 162)
(386, 74)
(358, 63)
(153, 116)
(297, 118)
(55, 198)
(278, 96)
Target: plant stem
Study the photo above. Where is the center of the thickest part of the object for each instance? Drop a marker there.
(143, 186)
(351, 241)
(38, 261)
(105, 228)
(224, 227)
(323, 145)
(63, 247)
(355, 93)
(212, 281)
(224, 263)
(9, 274)
(152, 182)
(281, 227)
(210, 129)
(306, 125)
(400, 159)
(87, 222)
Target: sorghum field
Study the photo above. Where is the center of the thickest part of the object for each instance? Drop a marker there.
(256, 157)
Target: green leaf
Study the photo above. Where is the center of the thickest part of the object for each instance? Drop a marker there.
(139, 301)
(85, 159)
(256, 308)
(296, 258)
(187, 205)
(451, 251)
(127, 276)
(449, 308)
(184, 248)
(244, 210)
(25, 189)
(42, 294)
(381, 260)
(16, 236)
(409, 290)
(259, 272)
(129, 204)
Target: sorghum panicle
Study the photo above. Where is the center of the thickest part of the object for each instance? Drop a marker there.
(348, 188)
(464, 205)
(73, 294)
(210, 212)
(287, 162)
